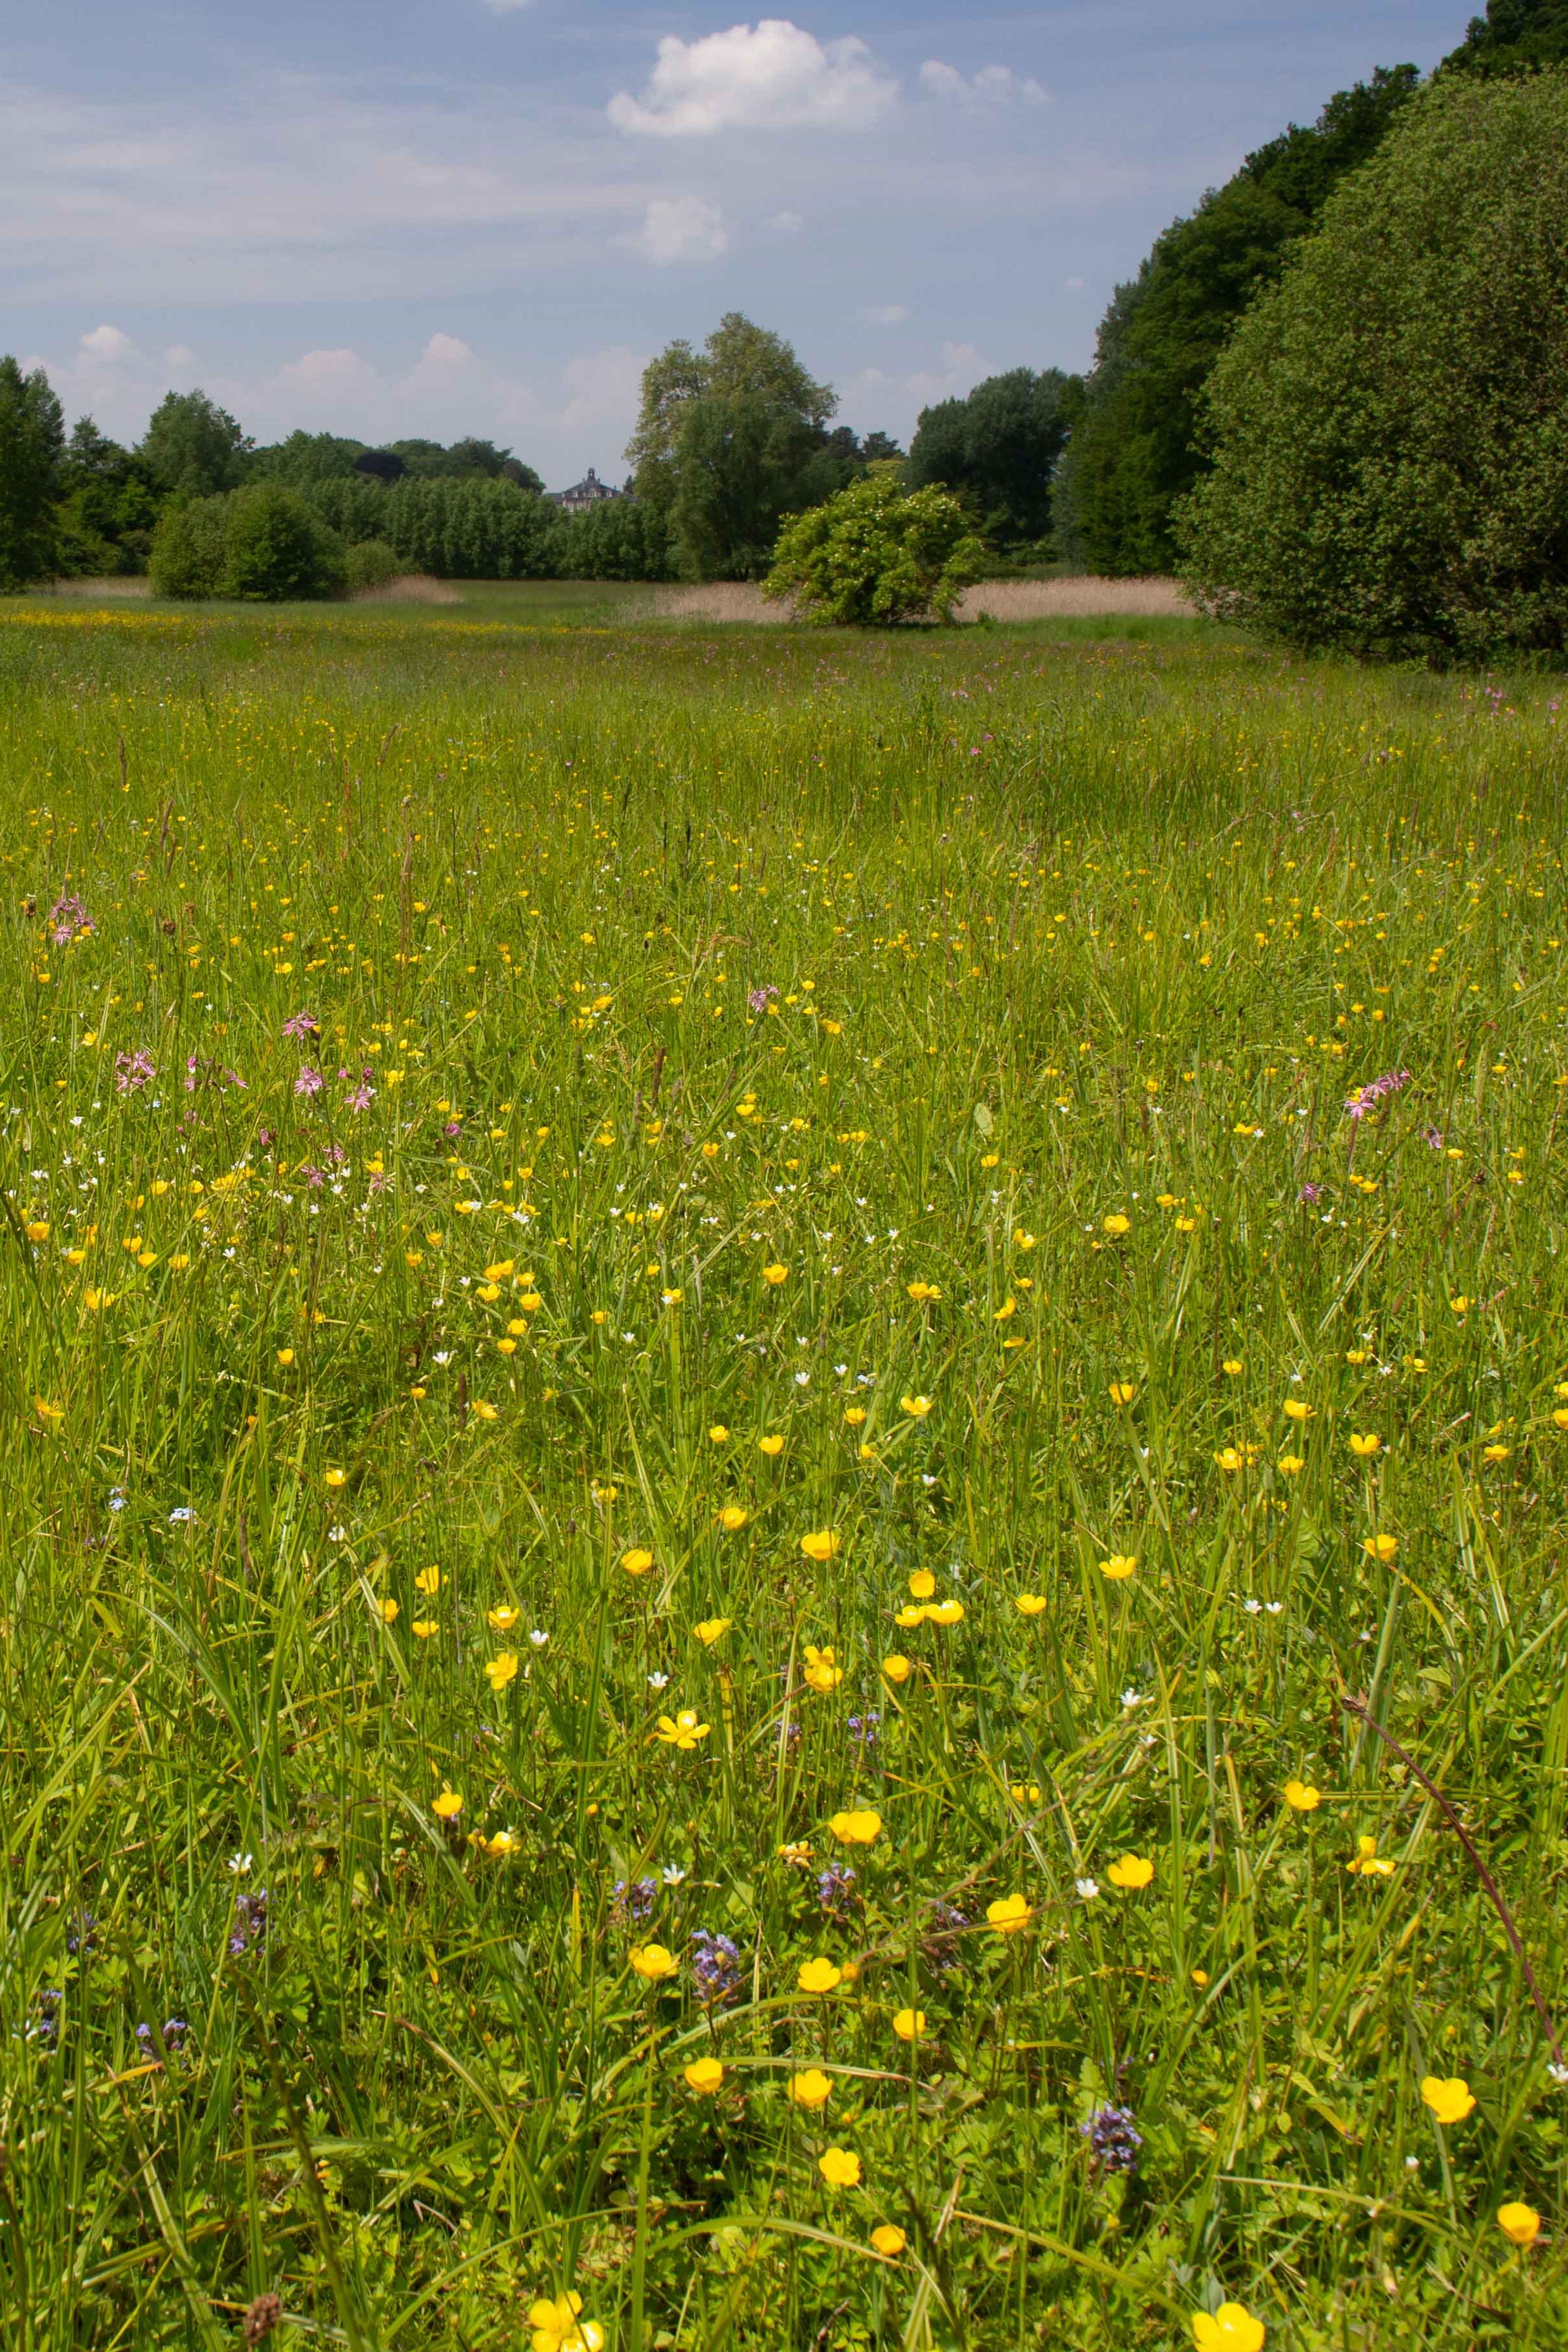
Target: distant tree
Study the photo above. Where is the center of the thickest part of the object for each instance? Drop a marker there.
(878, 448)
(307, 458)
(999, 449)
(513, 470)
(187, 557)
(1390, 425)
(380, 465)
(743, 402)
(1512, 37)
(107, 505)
(619, 538)
(32, 441)
(877, 553)
(427, 460)
(262, 545)
(1132, 452)
(192, 447)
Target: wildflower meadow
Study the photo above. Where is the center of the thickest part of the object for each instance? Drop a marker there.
(785, 1431)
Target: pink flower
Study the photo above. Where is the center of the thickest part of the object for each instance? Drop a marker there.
(309, 1082)
(302, 1025)
(133, 1070)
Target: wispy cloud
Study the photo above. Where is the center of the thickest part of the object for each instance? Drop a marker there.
(681, 228)
(993, 86)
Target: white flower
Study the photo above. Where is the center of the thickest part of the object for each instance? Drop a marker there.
(1558, 2074)
(1274, 1607)
(182, 1515)
(803, 1379)
(1088, 1887)
(1253, 1608)
(444, 1356)
(239, 1864)
(1133, 1698)
(672, 1873)
(336, 1535)
(538, 1638)
(658, 1682)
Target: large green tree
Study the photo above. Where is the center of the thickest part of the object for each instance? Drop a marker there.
(999, 449)
(193, 447)
(1512, 37)
(724, 444)
(1133, 451)
(1390, 424)
(32, 439)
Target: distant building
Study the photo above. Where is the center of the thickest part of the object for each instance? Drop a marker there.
(589, 492)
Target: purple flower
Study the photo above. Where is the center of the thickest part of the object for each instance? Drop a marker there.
(1311, 1192)
(635, 1902)
(1369, 1095)
(250, 1922)
(314, 1176)
(133, 1070)
(363, 1094)
(865, 1729)
(757, 998)
(265, 1137)
(453, 1127)
(309, 1082)
(301, 1024)
(715, 1967)
(69, 915)
(836, 1888)
(1113, 2139)
(201, 1069)
(1432, 1138)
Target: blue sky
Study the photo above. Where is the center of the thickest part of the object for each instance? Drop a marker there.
(443, 216)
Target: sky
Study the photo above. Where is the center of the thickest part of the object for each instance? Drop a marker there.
(440, 217)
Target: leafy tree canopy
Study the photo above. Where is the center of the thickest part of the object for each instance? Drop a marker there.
(193, 446)
(738, 362)
(999, 449)
(1513, 36)
(1132, 452)
(308, 458)
(1390, 424)
(32, 442)
(877, 553)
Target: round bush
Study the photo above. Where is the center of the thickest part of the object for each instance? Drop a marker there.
(371, 564)
(871, 554)
(276, 551)
(1390, 424)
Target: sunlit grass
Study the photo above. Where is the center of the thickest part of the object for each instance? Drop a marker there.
(677, 1580)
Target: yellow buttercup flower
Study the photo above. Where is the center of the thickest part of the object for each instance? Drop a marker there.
(840, 2168)
(811, 2089)
(863, 1827)
(683, 1730)
(1450, 2098)
(1116, 1224)
(823, 1672)
(1008, 1915)
(1365, 1443)
(897, 1667)
(923, 1584)
(1120, 1564)
(636, 1562)
(732, 1518)
(1518, 2222)
(558, 2327)
(821, 1545)
(653, 1963)
(447, 1805)
(772, 1446)
(1122, 1391)
(709, 1630)
(1301, 1797)
(1231, 2328)
(718, 1434)
(428, 1581)
(908, 2024)
(1296, 1410)
(704, 2076)
(425, 1629)
(502, 1617)
(335, 1478)
(1131, 1872)
(775, 1274)
(945, 1612)
(1291, 1465)
(1380, 1548)
(887, 2239)
(1369, 1863)
(502, 1670)
(818, 1975)
(1031, 1604)
(917, 1407)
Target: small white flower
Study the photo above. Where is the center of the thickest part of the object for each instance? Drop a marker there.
(336, 1535)
(182, 1515)
(1088, 1887)
(628, 1334)
(672, 1873)
(803, 1379)
(1133, 1698)
(1558, 2074)
(1274, 1607)
(239, 1864)
(538, 1637)
(444, 1356)
(1253, 1608)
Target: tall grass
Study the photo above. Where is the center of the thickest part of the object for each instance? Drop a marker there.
(932, 1055)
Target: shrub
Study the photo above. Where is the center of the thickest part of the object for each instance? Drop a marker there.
(1390, 427)
(371, 564)
(475, 527)
(276, 551)
(186, 557)
(875, 554)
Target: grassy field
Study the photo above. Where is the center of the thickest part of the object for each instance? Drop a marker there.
(784, 1491)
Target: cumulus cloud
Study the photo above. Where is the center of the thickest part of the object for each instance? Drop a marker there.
(773, 76)
(605, 388)
(886, 314)
(109, 345)
(992, 86)
(681, 228)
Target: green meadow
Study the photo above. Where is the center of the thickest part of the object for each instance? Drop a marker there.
(781, 1543)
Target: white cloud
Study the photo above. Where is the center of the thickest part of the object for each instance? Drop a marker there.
(787, 224)
(992, 86)
(178, 355)
(1075, 285)
(770, 77)
(875, 398)
(315, 373)
(605, 388)
(886, 314)
(681, 228)
(109, 345)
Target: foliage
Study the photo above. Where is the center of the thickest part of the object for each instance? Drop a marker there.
(999, 447)
(264, 544)
(1390, 427)
(474, 528)
(303, 458)
(731, 439)
(370, 563)
(108, 507)
(877, 553)
(1512, 37)
(620, 538)
(1132, 452)
(193, 447)
(32, 438)
(756, 1041)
